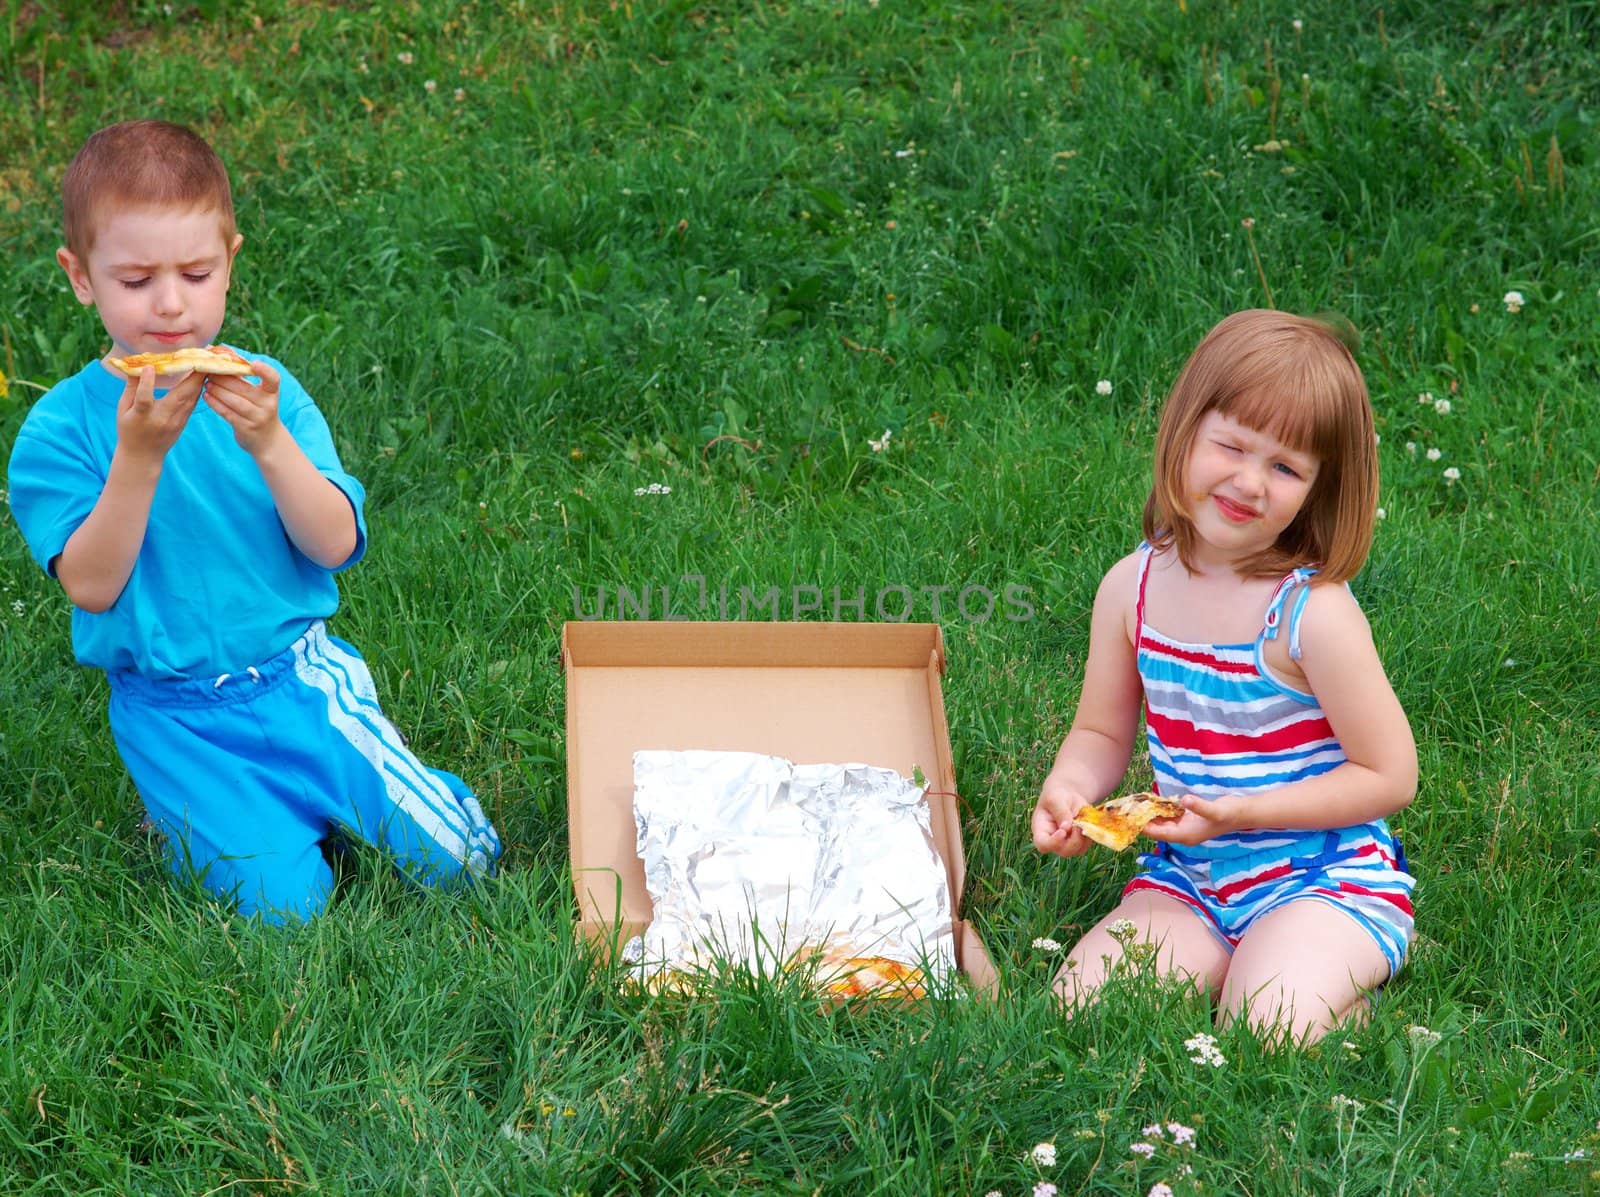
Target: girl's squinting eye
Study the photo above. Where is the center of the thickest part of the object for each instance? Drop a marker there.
(198, 278)
(1288, 469)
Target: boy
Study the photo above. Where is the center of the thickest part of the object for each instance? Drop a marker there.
(196, 523)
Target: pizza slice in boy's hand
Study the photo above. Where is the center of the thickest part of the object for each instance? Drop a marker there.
(212, 359)
(1117, 822)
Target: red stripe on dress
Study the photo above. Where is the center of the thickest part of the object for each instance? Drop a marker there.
(1181, 733)
(1373, 848)
(1235, 888)
(1207, 659)
(1400, 900)
(1186, 899)
(1273, 872)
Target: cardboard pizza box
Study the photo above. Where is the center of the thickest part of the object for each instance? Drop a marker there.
(814, 693)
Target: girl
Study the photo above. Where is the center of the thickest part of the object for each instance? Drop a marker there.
(1279, 887)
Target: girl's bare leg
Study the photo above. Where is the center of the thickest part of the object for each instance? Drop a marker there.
(1183, 944)
(1301, 969)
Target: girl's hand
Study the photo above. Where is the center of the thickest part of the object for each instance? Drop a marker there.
(250, 408)
(1053, 831)
(146, 426)
(1202, 819)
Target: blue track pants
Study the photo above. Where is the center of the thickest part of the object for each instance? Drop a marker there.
(248, 773)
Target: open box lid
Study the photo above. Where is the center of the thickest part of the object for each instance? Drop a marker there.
(813, 693)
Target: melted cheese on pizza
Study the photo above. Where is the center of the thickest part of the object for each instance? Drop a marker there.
(212, 359)
(1118, 822)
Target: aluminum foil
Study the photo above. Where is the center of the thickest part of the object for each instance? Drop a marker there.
(754, 862)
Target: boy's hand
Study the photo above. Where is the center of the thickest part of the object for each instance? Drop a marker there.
(250, 408)
(148, 427)
(1202, 819)
(1053, 831)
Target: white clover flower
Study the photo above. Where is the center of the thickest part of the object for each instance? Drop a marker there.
(882, 443)
(655, 488)
(1148, 1150)
(1433, 454)
(1103, 387)
(1045, 944)
(1422, 1038)
(1425, 397)
(406, 58)
(1043, 1154)
(1442, 406)
(1513, 301)
(430, 85)
(1451, 475)
(1202, 1049)
(1381, 514)
(1411, 448)
(461, 94)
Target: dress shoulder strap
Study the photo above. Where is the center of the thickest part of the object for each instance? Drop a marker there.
(1146, 552)
(1297, 583)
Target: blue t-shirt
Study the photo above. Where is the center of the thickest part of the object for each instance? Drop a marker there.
(218, 585)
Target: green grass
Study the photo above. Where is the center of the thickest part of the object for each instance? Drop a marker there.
(722, 247)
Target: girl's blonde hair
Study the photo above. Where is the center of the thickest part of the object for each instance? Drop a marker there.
(1295, 379)
(142, 163)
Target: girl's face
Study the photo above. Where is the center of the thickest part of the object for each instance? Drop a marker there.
(1244, 487)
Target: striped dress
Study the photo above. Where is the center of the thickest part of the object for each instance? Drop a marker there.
(1218, 722)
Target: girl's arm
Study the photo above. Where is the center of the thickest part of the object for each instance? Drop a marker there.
(1094, 756)
(1379, 776)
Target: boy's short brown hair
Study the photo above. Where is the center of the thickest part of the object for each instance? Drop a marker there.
(142, 164)
(1294, 378)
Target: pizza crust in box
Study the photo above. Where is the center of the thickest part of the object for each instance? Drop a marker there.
(1117, 822)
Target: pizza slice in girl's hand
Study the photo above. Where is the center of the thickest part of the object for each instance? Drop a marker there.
(212, 359)
(1117, 822)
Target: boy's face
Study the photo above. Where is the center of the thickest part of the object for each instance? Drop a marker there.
(157, 276)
